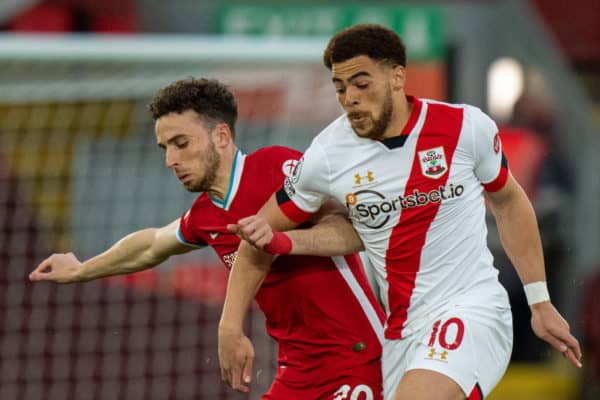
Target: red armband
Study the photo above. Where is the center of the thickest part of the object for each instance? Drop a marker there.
(280, 244)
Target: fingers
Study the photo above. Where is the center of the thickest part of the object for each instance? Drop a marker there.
(570, 348)
(236, 357)
(232, 376)
(233, 228)
(236, 381)
(573, 345)
(42, 271)
(570, 355)
(254, 230)
(247, 372)
(555, 331)
(59, 268)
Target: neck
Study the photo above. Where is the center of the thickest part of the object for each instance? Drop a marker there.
(400, 117)
(220, 188)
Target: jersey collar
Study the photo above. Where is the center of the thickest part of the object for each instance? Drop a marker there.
(234, 181)
(414, 124)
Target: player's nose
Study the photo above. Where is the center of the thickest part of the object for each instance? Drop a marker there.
(170, 159)
(351, 97)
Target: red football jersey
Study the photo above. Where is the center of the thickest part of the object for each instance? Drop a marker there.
(320, 310)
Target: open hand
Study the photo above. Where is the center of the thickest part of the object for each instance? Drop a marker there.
(550, 326)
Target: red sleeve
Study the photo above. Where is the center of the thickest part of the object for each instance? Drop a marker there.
(185, 233)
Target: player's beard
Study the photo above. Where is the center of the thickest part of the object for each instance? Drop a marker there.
(212, 163)
(380, 124)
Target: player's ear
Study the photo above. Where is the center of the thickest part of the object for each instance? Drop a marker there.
(221, 135)
(398, 77)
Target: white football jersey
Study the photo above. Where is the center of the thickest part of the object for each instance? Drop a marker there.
(417, 202)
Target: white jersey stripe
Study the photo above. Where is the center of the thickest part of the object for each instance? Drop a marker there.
(342, 266)
(234, 183)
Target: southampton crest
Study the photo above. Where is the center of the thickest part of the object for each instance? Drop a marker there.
(433, 162)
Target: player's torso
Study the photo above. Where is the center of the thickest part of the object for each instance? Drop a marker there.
(312, 304)
(418, 207)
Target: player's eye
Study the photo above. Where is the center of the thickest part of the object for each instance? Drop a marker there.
(362, 85)
(181, 144)
(340, 90)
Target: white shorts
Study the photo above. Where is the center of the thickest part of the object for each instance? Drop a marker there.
(471, 343)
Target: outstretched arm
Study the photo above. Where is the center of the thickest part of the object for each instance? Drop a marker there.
(135, 252)
(517, 226)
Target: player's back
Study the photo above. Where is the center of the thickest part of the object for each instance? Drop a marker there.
(320, 310)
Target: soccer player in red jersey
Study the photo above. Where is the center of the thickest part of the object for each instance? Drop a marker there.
(414, 175)
(320, 310)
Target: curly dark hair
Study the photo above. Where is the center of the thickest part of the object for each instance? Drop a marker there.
(209, 98)
(374, 41)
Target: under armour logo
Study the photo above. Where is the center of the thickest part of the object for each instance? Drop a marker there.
(442, 355)
(369, 177)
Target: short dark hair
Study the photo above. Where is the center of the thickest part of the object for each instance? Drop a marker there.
(209, 98)
(374, 41)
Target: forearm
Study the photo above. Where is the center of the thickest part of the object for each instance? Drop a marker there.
(132, 253)
(247, 274)
(332, 236)
(519, 234)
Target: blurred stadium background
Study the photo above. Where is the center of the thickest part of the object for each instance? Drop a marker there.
(79, 168)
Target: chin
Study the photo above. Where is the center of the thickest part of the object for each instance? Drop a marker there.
(360, 132)
(189, 187)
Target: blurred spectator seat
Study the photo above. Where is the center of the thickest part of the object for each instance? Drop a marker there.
(108, 16)
(44, 18)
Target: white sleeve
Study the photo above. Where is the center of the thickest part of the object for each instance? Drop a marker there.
(487, 147)
(308, 186)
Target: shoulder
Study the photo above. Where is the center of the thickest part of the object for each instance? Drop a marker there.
(274, 158)
(331, 141)
(440, 109)
(338, 129)
(201, 202)
(274, 153)
(198, 209)
(473, 117)
(480, 121)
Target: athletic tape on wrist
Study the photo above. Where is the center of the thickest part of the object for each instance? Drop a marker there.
(536, 292)
(279, 244)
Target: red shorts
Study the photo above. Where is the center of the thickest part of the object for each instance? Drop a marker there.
(359, 383)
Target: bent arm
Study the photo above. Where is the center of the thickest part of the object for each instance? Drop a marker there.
(249, 270)
(135, 252)
(332, 235)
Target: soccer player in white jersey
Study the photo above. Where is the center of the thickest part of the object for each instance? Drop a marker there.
(414, 175)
